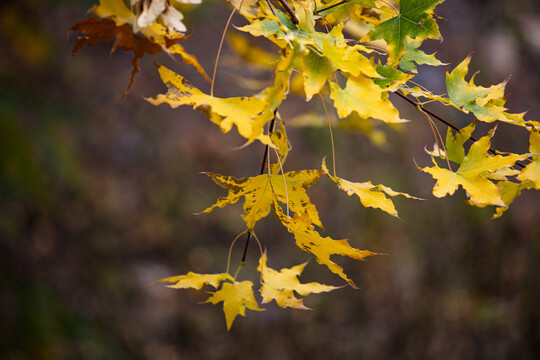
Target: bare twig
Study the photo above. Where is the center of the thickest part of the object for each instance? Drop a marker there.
(421, 108)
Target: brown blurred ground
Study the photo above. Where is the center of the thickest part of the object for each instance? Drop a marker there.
(97, 196)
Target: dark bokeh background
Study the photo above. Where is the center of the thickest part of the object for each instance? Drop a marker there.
(97, 196)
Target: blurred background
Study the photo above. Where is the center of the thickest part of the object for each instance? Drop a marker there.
(97, 196)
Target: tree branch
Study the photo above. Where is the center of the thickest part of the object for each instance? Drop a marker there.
(422, 108)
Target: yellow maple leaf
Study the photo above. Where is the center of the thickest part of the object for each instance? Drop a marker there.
(532, 171)
(365, 97)
(370, 195)
(261, 191)
(195, 281)
(236, 297)
(311, 241)
(281, 285)
(473, 173)
(224, 112)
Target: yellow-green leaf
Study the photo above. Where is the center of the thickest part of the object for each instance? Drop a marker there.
(370, 195)
(473, 174)
(365, 97)
(316, 72)
(261, 191)
(487, 104)
(281, 285)
(236, 297)
(414, 55)
(311, 241)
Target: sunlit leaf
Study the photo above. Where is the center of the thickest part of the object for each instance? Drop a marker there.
(311, 241)
(261, 191)
(281, 285)
(236, 297)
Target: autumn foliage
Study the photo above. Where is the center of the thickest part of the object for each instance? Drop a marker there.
(351, 54)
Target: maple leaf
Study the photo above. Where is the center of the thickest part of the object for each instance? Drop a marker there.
(509, 191)
(316, 71)
(370, 195)
(261, 191)
(224, 112)
(532, 171)
(236, 297)
(487, 104)
(311, 241)
(414, 20)
(392, 78)
(414, 55)
(98, 30)
(344, 57)
(195, 281)
(281, 285)
(365, 97)
(474, 172)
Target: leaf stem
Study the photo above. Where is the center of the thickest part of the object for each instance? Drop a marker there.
(418, 106)
(331, 6)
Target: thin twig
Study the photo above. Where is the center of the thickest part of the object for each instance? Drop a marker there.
(331, 136)
(331, 6)
(420, 107)
(287, 7)
(219, 50)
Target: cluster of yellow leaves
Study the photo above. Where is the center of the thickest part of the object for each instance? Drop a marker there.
(238, 295)
(344, 70)
(485, 177)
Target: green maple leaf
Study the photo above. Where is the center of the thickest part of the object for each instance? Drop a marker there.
(414, 55)
(414, 20)
(486, 103)
(261, 191)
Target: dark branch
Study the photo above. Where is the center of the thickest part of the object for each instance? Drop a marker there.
(331, 6)
(422, 108)
(263, 166)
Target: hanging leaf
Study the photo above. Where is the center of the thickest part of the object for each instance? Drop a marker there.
(365, 97)
(261, 191)
(236, 297)
(370, 195)
(96, 31)
(487, 104)
(309, 240)
(224, 112)
(473, 173)
(414, 55)
(281, 285)
(414, 20)
(195, 281)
